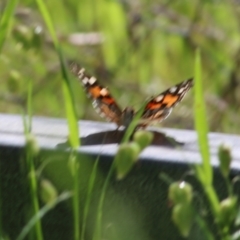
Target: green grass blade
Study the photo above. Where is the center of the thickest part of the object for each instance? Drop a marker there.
(204, 227)
(204, 172)
(70, 107)
(31, 152)
(68, 95)
(89, 195)
(6, 20)
(71, 117)
(74, 167)
(43, 211)
(29, 106)
(201, 125)
(97, 231)
(34, 195)
(47, 18)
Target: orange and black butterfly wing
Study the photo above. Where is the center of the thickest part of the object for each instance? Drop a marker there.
(102, 100)
(159, 107)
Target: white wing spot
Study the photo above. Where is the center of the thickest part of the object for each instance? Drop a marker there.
(85, 80)
(172, 89)
(92, 80)
(167, 113)
(158, 114)
(81, 72)
(102, 115)
(98, 110)
(159, 98)
(95, 104)
(181, 90)
(104, 92)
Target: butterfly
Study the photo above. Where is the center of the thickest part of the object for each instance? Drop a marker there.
(157, 108)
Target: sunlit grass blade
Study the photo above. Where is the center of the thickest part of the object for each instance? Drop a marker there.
(29, 105)
(5, 21)
(69, 104)
(68, 95)
(43, 211)
(204, 171)
(71, 117)
(201, 125)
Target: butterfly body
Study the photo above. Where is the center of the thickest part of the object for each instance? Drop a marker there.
(157, 108)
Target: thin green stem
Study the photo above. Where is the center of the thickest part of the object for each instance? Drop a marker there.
(202, 224)
(89, 194)
(97, 232)
(33, 193)
(29, 106)
(43, 211)
(74, 166)
(30, 164)
(212, 198)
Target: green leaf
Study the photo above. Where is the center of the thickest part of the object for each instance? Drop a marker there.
(48, 191)
(143, 138)
(224, 156)
(182, 216)
(126, 156)
(227, 211)
(180, 192)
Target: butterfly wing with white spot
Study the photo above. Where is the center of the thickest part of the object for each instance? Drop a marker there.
(159, 107)
(101, 98)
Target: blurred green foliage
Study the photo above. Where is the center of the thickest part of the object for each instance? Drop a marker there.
(136, 48)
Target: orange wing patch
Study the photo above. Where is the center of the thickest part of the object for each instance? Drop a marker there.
(102, 100)
(170, 99)
(108, 100)
(159, 107)
(94, 91)
(153, 105)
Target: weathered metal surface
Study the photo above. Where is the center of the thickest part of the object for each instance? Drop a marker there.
(51, 133)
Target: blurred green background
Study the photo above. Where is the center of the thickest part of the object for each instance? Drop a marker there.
(135, 48)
